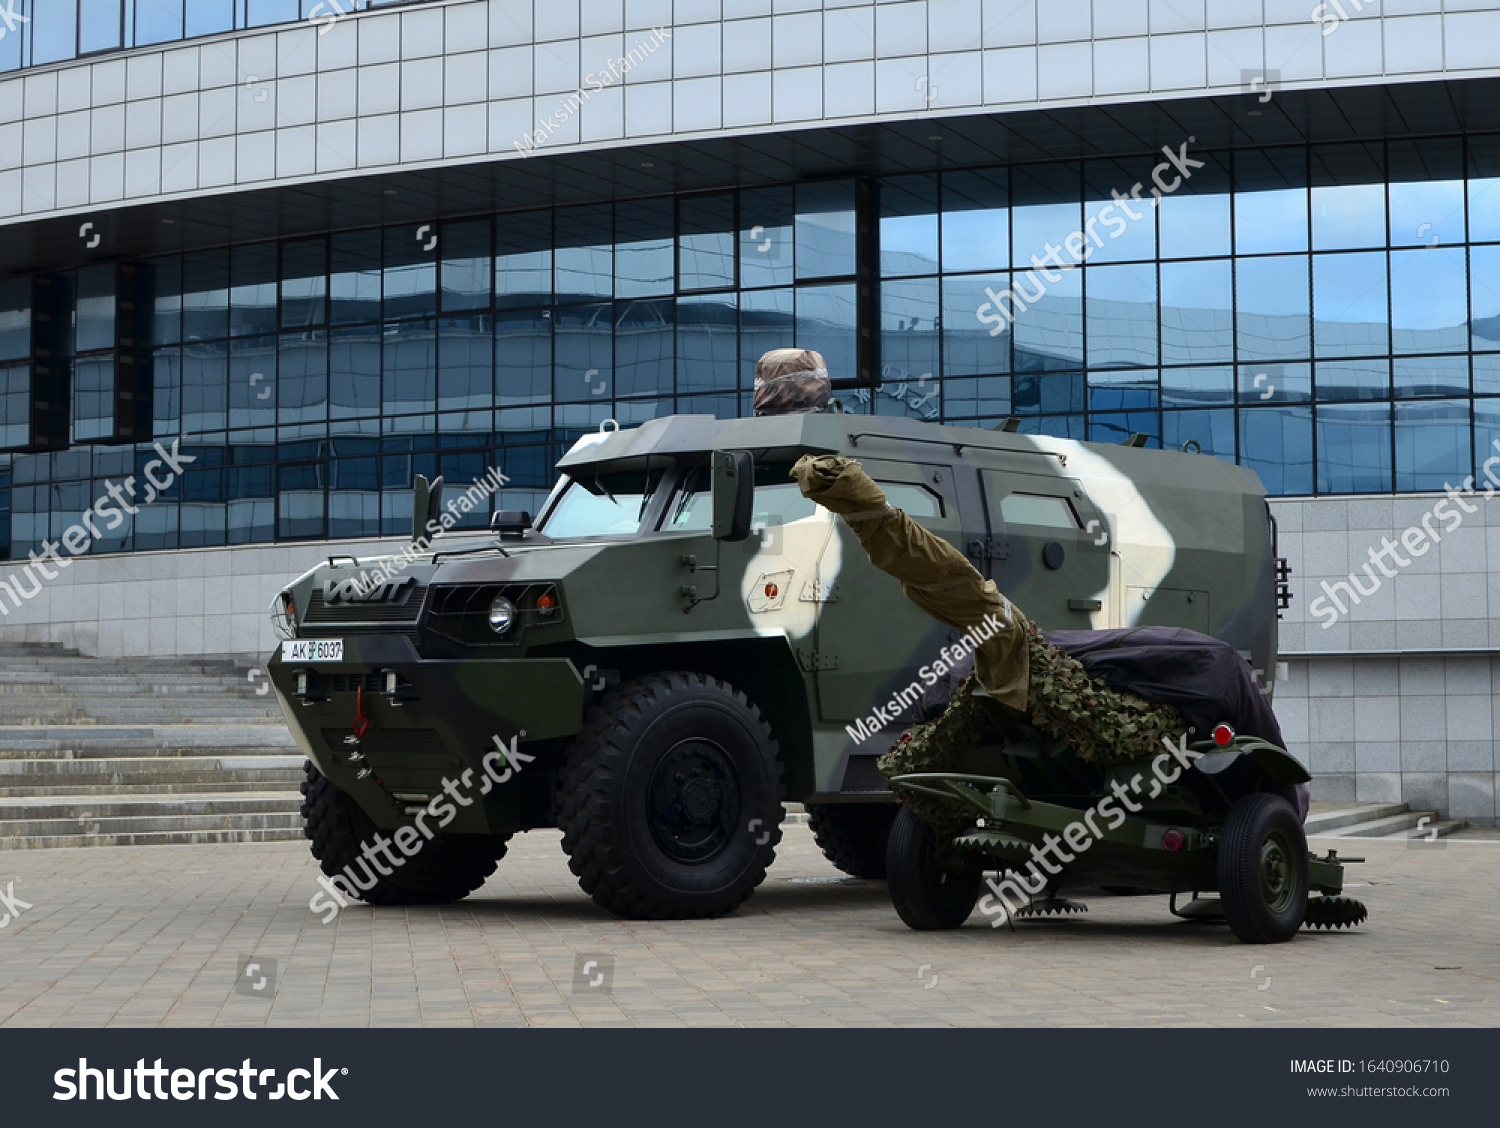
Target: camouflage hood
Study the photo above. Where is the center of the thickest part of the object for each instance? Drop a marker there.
(791, 382)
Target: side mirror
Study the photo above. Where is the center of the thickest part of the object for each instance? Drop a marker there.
(733, 489)
(510, 523)
(426, 501)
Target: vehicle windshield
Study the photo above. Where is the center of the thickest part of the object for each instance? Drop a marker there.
(778, 501)
(602, 505)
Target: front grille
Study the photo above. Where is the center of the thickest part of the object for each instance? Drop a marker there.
(402, 606)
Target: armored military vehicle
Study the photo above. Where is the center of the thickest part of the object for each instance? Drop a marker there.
(680, 641)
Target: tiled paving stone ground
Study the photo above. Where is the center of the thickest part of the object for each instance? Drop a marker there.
(154, 936)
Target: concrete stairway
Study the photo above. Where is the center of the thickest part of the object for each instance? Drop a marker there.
(140, 752)
(1376, 820)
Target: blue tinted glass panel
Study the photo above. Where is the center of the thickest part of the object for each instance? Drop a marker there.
(94, 309)
(1275, 383)
(354, 497)
(1122, 315)
(1487, 444)
(1343, 380)
(1348, 196)
(1354, 448)
(585, 353)
(304, 283)
(983, 397)
(523, 259)
(1429, 300)
(93, 389)
(1197, 387)
(824, 230)
(100, 26)
(1276, 442)
(976, 221)
(1350, 304)
(766, 322)
(15, 318)
(909, 332)
(1053, 393)
(252, 382)
(825, 323)
(466, 362)
(1039, 234)
(705, 243)
(302, 377)
(166, 398)
(643, 248)
(1197, 311)
(1431, 376)
(205, 295)
(1057, 426)
(908, 226)
(354, 372)
(1486, 374)
(977, 311)
(157, 21)
(1122, 390)
(523, 357)
(1484, 188)
(252, 296)
(1484, 298)
(1213, 431)
(409, 368)
(259, 13)
(1193, 226)
(1120, 426)
(354, 279)
(766, 237)
(466, 267)
(585, 253)
(53, 31)
(645, 333)
(205, 389)
(299, 500)
(1270, 201)
(1049, 334)
(209, 17)
(1432, 444)
(1118, 229)
(410, 276)
(1272, 300)
(1427, 214)
(166, 285)
(708, 343)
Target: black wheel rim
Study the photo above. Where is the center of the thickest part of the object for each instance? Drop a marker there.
(693, 800)
(1278, 874)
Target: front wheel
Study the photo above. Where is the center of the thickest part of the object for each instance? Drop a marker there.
(930, 890)
(671, 799)
(1262, 868)
(349, 847)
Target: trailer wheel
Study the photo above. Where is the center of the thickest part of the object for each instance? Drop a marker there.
(853, 836)
(930, 891)
(1262, 866)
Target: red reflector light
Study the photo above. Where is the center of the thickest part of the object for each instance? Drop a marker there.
(1173, 840)
(1223, 734)
(546, 604)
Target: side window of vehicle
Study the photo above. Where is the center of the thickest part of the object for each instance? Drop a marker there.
(914, 501)
(1039, 510)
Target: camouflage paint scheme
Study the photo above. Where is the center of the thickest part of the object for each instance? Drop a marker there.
(794, 616)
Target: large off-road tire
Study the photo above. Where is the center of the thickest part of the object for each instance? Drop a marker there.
(444, 869)
(930, 892)
(1263, 869)
(670, 801)
(853, 836)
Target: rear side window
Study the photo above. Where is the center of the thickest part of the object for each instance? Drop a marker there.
(1036, 509)
(914, 501)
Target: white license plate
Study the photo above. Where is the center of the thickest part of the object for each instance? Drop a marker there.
(313, 650)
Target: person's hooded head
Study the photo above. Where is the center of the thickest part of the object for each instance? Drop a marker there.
(791, 382)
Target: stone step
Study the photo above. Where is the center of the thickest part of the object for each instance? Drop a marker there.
(176, 773)
(1389, 826)
(1433, 829)
(62, 814)
(291, 831)
(171, 736)
(107, 750)
(1345, 815)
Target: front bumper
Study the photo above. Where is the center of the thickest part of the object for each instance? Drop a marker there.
(391, 754)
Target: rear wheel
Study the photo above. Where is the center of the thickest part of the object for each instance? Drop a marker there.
(1262, 868)
(853, 836)
(671, 799)
(344, 840)
(931, 890)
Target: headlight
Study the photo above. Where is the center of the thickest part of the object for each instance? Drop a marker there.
(502, 614)
(283, 611)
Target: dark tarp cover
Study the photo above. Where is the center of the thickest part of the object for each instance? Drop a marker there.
(1205, 678)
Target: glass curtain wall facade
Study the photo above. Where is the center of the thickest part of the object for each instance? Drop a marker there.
(51, 31)
(1329, 316)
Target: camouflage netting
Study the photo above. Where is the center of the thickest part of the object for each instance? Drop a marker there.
(1016, 666)
(791, 382)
